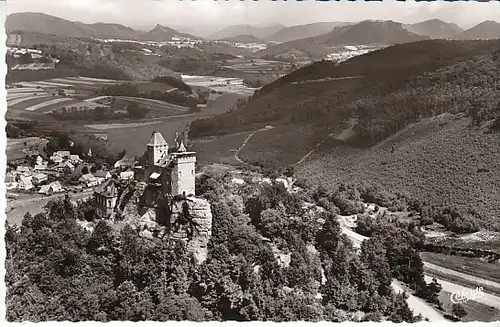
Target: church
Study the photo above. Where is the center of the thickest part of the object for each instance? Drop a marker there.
(173, 171)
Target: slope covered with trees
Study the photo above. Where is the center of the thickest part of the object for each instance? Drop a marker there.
(56, 270)
(392, 87)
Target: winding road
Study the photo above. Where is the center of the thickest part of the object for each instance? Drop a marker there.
(420, 306)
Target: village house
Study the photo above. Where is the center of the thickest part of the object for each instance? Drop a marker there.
(56, 159)
(39, 178)
(175, 171)
(65, 167)
(75, 159)
(39, 160)
(23, 169)
(125, 162)
(25, 183)
(65, 154)
(40, 167)
(102, 174)
(54, 187)
(106, 196)
(127, 175)
(89, 180)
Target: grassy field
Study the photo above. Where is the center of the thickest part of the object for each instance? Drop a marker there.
(219, 149)
(476, 311)
(281, 146)
(16, 147)
(466, 265)
(440, 160)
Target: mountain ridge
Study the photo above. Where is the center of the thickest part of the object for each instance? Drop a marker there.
(52, 25)
(435, 28)
(488, 29)
(246, 29)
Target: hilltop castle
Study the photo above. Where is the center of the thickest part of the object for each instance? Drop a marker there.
(174, 172)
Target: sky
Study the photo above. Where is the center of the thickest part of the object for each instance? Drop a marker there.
(138, 13)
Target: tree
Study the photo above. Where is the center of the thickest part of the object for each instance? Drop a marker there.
(458, 310)
(134, 111)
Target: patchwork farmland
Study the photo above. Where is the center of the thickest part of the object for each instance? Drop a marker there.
(80, 92)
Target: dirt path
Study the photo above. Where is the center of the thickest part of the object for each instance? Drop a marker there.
(237, 152)
(309, 153)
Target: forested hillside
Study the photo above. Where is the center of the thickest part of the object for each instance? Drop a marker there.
(56, 270)
(392, 88)
(450, 165)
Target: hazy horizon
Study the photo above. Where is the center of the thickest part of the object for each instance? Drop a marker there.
(206, 16)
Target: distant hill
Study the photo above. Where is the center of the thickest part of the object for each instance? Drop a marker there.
(50, 25)
(486, 30)
(366, 32)
(47, 24)
(113, 31)
(435, 29)
(162, 33)
(244, 39)
(304, 31)
(385, 32)
(235, 30)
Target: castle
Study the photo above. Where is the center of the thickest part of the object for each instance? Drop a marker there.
(174, 172)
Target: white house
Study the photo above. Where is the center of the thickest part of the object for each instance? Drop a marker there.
(39, 160)
(54, 187)
(22, 169)
(65, 166)
(63, 154)
(126, 175)
(89, 180)
(39, 178)
(39, 167)
(25, 183)
(75, 159)
(56, 159)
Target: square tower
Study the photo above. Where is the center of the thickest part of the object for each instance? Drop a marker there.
(183, 172)
(157, 148)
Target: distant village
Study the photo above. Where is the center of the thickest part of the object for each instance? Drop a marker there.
(65, 172)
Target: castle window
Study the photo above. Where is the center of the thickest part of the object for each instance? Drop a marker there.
(192, 172)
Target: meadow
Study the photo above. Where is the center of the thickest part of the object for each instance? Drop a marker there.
(281, 146)
(219, 149)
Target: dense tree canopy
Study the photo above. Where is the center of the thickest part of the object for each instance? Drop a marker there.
(56, 270)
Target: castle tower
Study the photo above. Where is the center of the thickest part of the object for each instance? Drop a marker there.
(157, 148)
(183, 172)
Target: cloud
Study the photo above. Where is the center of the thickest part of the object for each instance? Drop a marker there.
(200, 12)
